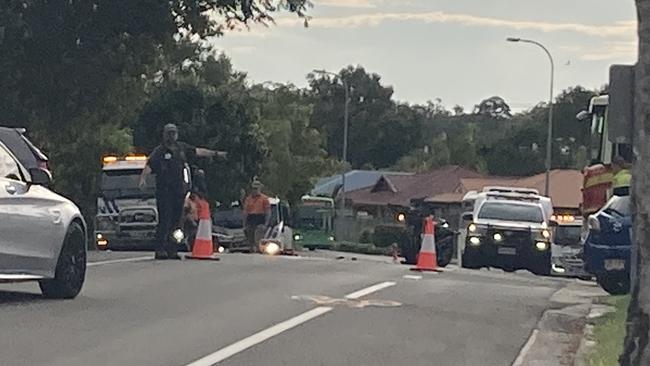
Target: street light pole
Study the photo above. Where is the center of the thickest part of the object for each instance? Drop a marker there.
(346, 117)
(549, 139)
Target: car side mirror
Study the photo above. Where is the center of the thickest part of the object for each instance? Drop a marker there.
(40, 177)
(553, 223)
(468, 216)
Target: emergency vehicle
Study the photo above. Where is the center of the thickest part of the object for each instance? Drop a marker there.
(126, 213)
(566, 248)
(509, 229)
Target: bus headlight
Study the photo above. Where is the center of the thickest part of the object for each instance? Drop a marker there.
(400, 217)
(331, 238)
(297, 237)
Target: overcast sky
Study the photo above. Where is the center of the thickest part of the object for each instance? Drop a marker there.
(454, 50)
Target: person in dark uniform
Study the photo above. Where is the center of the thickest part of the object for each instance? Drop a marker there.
(168, 162)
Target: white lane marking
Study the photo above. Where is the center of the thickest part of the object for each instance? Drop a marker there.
(411, 277)
(519, 361)
(124, 260)
(369, 290)
(257, 338)
(260, 337)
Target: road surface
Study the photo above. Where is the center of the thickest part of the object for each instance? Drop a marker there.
(256, 310)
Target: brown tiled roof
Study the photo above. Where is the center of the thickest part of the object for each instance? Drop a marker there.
(449, 185)
(406, 188)
(565, 192)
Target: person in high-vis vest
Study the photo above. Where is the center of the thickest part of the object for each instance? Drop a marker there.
(621, 177)
(257, 216)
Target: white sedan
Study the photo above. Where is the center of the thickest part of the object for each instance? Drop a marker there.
(42, 235)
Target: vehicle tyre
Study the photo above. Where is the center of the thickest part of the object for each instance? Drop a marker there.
(614, 284)
(470, 261)
(445, 251)
(70, 270)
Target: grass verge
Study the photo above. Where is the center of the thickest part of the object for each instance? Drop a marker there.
(609, 333)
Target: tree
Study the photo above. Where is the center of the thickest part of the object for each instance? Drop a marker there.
(494, 107)
(75, 72)
(213, 108)
(380, 131)
(637, 345)
(433, 155)
(296, 150)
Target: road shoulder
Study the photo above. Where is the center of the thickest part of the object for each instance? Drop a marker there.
(559, 334)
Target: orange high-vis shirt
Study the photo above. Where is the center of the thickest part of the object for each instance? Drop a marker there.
(257, 205)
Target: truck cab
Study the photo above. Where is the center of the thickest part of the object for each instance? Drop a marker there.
(127, 215)
(567, 247)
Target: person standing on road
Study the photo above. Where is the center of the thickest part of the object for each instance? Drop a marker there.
(168, 162)
(257, 215)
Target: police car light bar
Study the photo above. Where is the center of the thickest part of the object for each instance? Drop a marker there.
(497, 189)
(514, 196)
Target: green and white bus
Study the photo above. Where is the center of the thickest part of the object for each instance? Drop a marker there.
(314, 227)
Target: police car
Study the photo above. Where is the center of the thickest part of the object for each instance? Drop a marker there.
(510, 231)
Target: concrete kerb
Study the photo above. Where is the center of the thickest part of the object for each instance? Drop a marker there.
(560, 333)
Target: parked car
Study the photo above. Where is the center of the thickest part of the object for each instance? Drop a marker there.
(608, 245)
(24, 150)
(42, 235)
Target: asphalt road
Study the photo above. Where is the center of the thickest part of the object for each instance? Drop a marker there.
(255, 310)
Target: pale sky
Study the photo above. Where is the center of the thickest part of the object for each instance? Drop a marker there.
(454, 50)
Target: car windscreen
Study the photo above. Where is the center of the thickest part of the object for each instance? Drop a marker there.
(14, 142)
(230, 218)
(621, 206)
(567, 235)
(125, 184)
(511, 212)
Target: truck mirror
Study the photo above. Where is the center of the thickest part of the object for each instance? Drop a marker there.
(468, 216)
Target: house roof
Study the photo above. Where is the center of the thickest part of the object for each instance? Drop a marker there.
(401, 189)
(355, 179)
(566, 187)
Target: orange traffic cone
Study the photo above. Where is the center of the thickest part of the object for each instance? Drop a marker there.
(203, 247)
(427, 260)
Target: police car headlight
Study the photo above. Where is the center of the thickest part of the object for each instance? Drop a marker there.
(178, 235)
(272, 248)
(497, 237)
(472, 228)
(475, 241)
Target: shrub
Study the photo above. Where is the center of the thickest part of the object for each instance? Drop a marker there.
(386, 235)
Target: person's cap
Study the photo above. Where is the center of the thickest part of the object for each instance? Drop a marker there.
(170, 127)
(257, 184)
